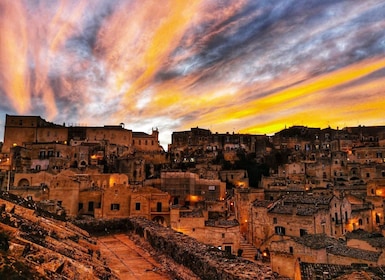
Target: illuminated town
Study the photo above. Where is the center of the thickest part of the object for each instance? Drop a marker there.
(300, 201)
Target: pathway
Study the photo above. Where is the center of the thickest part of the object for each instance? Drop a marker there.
(129, 261)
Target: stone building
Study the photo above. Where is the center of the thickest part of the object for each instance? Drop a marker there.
(184, 144)
(287, 254)
(238, 178)
(220, 233)
(187, 188)
(366, 240)
(90, 143)
(241, 201)
(146, 142)
(298, 215)
(19, 130)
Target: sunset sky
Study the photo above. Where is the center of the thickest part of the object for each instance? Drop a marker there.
(243, 66)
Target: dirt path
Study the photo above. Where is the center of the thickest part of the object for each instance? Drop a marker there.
(128, 260)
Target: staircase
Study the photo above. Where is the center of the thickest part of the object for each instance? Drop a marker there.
(249, 251)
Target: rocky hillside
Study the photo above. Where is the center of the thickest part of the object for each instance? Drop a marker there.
(35, 244)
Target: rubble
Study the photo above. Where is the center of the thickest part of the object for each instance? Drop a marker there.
(36, 247)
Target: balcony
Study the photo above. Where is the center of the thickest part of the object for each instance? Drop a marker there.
(163, 210)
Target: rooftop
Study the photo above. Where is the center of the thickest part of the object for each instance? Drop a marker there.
(340, 272)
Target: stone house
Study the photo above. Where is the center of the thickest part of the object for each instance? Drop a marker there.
(365, 240)
(238, 178)
(364, 155)
(287, 255)
(150, 203)
(220, 233)
(298, 215)
(146, 142)
(188, 188)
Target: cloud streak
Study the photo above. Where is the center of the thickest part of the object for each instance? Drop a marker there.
(247, 66)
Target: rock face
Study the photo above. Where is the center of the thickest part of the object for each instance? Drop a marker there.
(208, 263)
(37, 247)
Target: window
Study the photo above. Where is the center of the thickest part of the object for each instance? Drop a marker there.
(90, 206)
(42, 154)
(291, 250)
(137, 206)
(80, 206)
(280, 230)
(223, 235)
(275, 221)
(377, 219)
(302, 232)
(360, 222)
(115, 206)
(159, 207)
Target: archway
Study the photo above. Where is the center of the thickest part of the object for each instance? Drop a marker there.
(23, 183)
(158, 219)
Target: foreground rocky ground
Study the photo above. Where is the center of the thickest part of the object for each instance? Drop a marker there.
(36, 245)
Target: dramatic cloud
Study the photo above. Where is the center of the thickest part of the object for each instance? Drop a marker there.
(244, 66)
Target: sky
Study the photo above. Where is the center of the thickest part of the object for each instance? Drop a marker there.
(225, 65)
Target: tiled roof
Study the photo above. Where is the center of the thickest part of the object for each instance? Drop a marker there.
(262, 203)
(376, 240)
(345, 251)
(307, 199)
(341, 272)
(335, 247)
(315, 241)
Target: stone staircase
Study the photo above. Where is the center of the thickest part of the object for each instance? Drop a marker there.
(249, 250)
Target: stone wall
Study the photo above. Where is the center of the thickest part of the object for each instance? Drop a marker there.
(205, 261)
